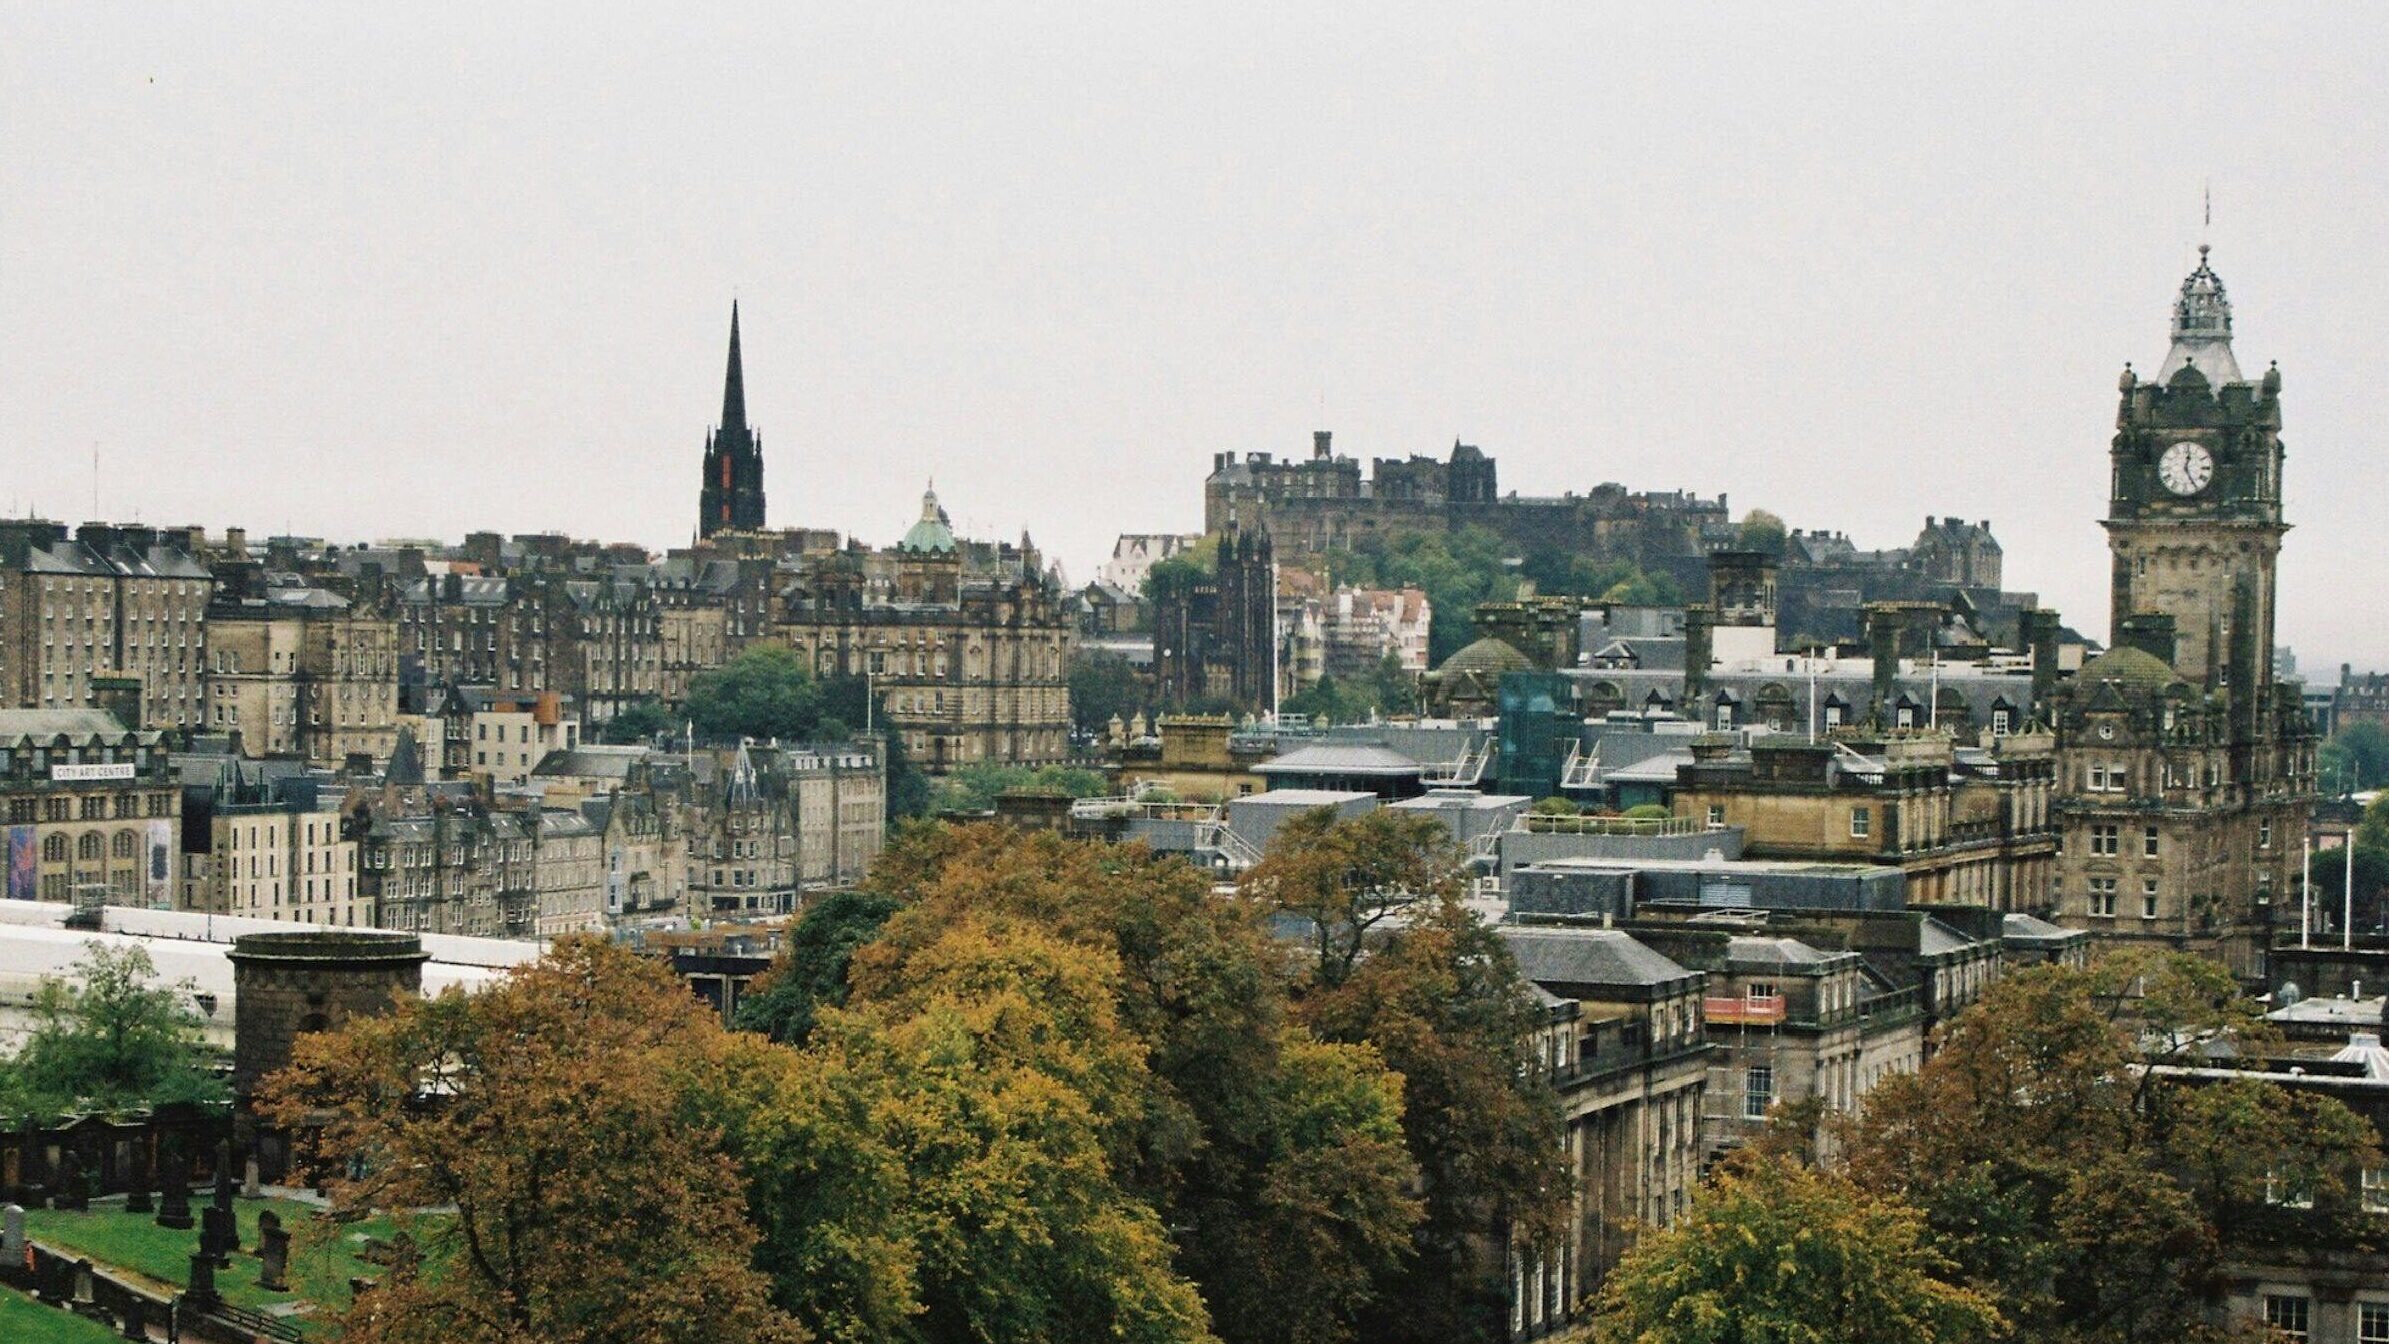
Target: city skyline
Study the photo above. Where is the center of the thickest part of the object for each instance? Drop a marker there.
(460, 287)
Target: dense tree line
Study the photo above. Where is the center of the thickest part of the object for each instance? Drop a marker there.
(1017, 1088)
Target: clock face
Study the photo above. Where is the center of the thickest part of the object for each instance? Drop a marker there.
(2186, 468)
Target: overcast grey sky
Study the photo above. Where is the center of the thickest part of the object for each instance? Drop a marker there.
(407, 270)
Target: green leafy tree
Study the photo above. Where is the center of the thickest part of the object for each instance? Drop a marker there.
(1762, 531)
(1345, 878)
(2085, 1194)
(640, 721)
(2355, 757)
(973, 788)
(1276, 1160)
(1771, 1252)
(810, 973)
(1438, 995)
(767, 693)
(108, 1037)
(943, 1165)
(1457, 570)
(1104, 685)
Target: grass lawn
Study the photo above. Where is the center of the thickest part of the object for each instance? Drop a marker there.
(25, 1321)
(322, 1254)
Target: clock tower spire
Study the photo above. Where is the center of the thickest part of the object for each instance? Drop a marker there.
(2194, 514)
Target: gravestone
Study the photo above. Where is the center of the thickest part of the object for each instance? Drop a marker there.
(203, 1278)
(86, 1300)
(273, 1253)
(53, 1279)
(74, 1188)
(249, 1185)
(224, 1176)
(12, 1235)
(219, 1236)
(175, 1209)
(136, 1316)
(141, 1174)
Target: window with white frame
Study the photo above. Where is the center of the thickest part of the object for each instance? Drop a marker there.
(2102, 897)
(2148, 842)
(1999, 721)
(2287, 1313)
(2376, 1189)
(2105, 840)
(2372, 1323)
(1861, 823)
(2148, 898)
(2287, 1190)
(1758, 1091)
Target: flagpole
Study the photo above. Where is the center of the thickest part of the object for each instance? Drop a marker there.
(2306, 895)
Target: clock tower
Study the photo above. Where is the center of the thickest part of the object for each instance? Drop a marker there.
(2185, 773)
(2194, 514)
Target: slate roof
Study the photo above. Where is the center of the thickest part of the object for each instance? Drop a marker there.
(1588, 957)
(1340, 758)
(42, 726)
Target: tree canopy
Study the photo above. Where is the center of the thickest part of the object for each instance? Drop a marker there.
(767, 693)
(1191, 1140)
(109, 1038)
(1771, 1252)
(577, 1137)
(1396, 962)
(2085, 1194)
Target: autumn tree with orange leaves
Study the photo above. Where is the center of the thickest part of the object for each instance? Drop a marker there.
(568, 1117)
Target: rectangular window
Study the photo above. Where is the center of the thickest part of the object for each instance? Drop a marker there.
(2148, 843)
(2376, 1193)
(2289, 1192)
(1758, 1091)
(1861, 823)
(2105, 841)
(2148, 898)
(1716, 814)
(2102, 897)
(2286, 1313)
(1999, 722)
(1761, 992)
(2372, 1323)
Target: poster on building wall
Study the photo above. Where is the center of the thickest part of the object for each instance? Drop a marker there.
(161, 865)
(21, 856)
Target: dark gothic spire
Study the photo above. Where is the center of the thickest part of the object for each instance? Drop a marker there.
(734, 386)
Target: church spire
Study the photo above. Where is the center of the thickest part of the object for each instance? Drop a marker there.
(734, 385)
(732, 493)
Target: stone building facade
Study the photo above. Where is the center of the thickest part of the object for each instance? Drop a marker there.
(303, 672)
(92, 808)
(1325, 503)
(104, 602)
(1213, 635)
(966, 644)
(2187, 767)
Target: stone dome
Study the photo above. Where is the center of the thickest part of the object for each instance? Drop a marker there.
(2130, 667)
(1488, 655)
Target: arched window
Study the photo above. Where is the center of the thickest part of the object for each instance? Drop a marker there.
(53, 847)
(124, 845)
(89, 846)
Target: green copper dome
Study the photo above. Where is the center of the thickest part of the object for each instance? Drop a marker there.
(933, 532)
(2130, 667)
